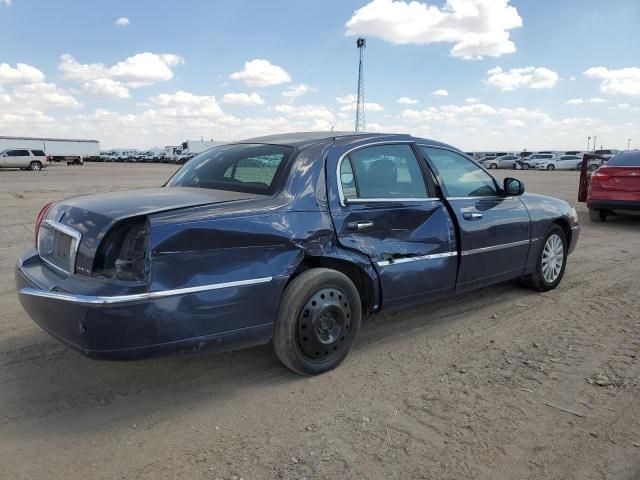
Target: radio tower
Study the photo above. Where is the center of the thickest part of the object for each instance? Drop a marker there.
(361, 43)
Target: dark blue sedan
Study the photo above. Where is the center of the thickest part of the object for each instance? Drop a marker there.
(288, 238)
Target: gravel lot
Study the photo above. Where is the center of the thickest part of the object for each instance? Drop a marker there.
(479, 387)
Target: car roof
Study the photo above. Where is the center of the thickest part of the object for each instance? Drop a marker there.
(303, 139)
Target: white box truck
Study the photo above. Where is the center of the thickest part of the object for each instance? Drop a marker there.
(71, 151)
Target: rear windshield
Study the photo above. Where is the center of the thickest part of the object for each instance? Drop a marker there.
(251, 168)
(625, 160)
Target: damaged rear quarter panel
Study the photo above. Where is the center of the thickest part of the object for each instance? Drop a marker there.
(244, 240)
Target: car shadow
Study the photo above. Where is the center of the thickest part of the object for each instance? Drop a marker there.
(46, 385)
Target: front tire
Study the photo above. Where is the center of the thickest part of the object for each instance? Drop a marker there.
(35, 166)
(551, 167)
(493, 166)
(318, 321)
(551, 262)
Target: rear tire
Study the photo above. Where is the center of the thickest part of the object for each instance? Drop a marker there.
(35, 166)
(525, 166)
(551, 167)
(598, 215)
(549, 266)
(493, 166)
(318, 320)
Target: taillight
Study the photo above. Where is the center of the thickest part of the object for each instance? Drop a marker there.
(123, 252)
(599, 176)
(40, 217)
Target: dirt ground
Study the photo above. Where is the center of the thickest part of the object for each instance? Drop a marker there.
(503, 383)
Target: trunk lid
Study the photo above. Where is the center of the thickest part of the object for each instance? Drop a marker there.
(621, 179)
(93, 215)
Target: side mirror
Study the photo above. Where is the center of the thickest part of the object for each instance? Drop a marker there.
(513, 187)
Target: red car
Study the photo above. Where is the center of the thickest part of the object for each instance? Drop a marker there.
(615, 187)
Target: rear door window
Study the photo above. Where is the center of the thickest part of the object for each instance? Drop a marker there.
(38, 153)
(381, 172)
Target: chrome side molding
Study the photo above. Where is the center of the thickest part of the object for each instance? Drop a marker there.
(496, 247)
(433, 256)
(106, 300)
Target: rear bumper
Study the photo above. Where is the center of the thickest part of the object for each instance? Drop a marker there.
(133, 326)
(628, 205)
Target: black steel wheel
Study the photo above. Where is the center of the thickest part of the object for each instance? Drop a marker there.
(323, 323)
(318, 320)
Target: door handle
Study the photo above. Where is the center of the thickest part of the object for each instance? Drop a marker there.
(359, 226)
(472, 216)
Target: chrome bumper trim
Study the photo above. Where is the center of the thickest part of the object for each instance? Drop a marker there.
(104, 300)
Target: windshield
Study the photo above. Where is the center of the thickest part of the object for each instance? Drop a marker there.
(252, 168)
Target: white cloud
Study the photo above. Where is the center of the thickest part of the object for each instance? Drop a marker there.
(306, 111)
(472, 100)
(145, 69)
(297, 90)
(368, 107)
(106, 88)
(22, 73)
(623, 81)
(140, 70)
(122, 22)
(531, 77)
(44, 95)
(346, 99)
(261, 73)
(243, 99)
(440, 93)
(477, 28)
(407, 101)
(186, 104)
(596, 100)
(575, 101)
(6, 3)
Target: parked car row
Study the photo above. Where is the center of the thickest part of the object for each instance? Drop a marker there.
(540, 161)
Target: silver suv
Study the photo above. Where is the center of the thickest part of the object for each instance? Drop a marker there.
(24, 159)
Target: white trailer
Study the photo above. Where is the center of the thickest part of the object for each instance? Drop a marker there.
(171, 153)
(193, 147)
(71, 151)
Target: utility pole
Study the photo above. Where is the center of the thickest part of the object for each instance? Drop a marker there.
(628, 144)
(361, 43)
(594, 143)
(588, 143)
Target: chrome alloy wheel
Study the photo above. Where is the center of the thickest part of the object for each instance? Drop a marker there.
(552, 258)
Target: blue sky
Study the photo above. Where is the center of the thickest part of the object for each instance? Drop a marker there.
(517, 74)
